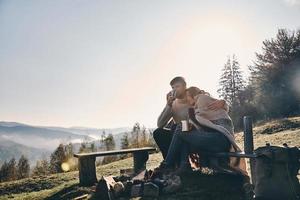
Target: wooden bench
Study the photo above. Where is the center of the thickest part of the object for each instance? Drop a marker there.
(87, 168)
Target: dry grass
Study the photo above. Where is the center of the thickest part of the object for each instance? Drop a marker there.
(284, 131)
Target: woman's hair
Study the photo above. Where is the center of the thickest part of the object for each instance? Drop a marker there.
(194, 91)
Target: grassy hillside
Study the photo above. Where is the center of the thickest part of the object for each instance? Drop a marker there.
(275, 132)
(65, 185)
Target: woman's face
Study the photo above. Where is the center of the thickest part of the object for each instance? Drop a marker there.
(190, 100)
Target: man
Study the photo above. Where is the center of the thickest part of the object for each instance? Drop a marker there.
(177, 110)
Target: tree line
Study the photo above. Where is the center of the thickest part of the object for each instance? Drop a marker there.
(273, 88)
(12, 170)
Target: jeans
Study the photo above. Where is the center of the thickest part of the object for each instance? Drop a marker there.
(194, 141)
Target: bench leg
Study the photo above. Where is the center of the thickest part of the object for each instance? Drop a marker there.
(139, 160)
(87, 171)
(249, 144)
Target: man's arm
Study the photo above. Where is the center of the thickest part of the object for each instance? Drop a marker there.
(165, 116)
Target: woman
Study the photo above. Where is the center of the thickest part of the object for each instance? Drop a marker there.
(212, 131)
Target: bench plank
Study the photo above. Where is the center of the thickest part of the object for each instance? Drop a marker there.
(114, 152)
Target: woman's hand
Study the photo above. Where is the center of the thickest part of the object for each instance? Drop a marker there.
(217, 104)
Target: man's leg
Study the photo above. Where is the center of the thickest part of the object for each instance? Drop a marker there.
(163, 140)
(174, 151)
(178, 153)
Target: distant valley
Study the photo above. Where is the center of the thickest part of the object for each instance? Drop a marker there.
(37, 142)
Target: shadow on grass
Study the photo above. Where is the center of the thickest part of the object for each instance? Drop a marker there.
(70, 192)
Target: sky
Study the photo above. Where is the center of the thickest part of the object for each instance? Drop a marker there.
(108, 64)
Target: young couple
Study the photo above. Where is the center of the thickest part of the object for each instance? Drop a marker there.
(210, 128)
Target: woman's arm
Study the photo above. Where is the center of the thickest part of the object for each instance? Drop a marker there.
(218, 104)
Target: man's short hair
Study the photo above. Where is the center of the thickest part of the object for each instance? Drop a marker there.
(177, 79)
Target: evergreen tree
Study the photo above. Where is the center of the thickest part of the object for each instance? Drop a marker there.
(69, 151)
(93, 147)
(86, 146)
(57, 158)
(125, 141)
(273, 75)
(237, 80)
(225, 90)
(143, 138)
(109, 143)
(12, 170)
(124, 144)
(42, 167)
(231, 81)
(4, 172)
(232, 89)
(103, 136)
(135, 135)
(23, 168)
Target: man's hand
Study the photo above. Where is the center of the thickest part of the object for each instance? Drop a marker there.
(170, 98)
(217, 104)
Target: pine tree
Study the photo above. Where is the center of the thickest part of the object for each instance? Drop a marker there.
(4, 172)
(125, 141)
(143, 138)
(124, 144)
(69, 151)
(23, 168)
(86, 146)
(231, 81)
(83, 147)
(237, 80)
(12, 170)
(232, 89)
(135, 135)
(57, 158)
(41, 168)
(103, 136)
(225, 90)
(274, 73)
(109, 143)
(93, 147)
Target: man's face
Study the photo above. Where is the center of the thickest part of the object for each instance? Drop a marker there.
(180, 89)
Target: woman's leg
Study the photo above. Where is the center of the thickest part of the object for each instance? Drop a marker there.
(184, 156)
(178, 151)
(206, 140)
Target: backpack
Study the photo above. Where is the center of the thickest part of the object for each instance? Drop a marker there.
(275, 174)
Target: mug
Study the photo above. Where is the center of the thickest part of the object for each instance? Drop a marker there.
(185, 125)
